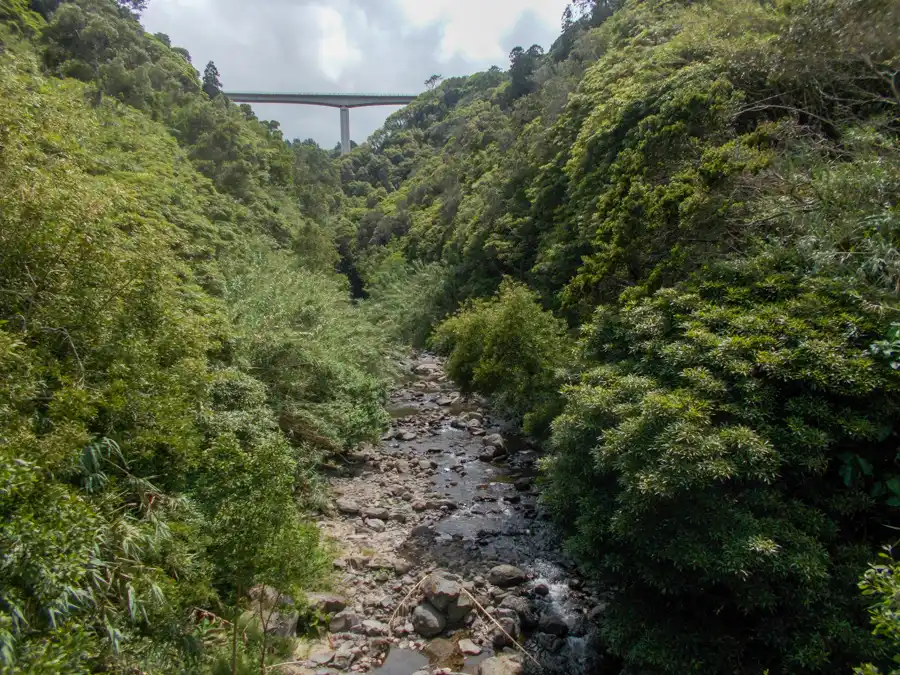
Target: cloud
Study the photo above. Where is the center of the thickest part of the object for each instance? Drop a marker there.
(389, 46)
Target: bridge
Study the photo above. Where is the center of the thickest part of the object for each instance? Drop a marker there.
(341, 101)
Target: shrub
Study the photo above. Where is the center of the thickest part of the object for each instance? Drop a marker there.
(510, 349)
(881, 583)
(719, 467)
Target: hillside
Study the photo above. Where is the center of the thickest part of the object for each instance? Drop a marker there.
(674, 238)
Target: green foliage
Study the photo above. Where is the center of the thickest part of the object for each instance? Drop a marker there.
(509, 348)
(176, 351)
(881, 583)
(714, 461)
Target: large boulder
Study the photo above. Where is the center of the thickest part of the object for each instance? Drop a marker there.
(506, 575)
(441, 590)
(523, 608)
(500, 665)
(428, 621)
(344, 622)
(493, 439)
(553, 622)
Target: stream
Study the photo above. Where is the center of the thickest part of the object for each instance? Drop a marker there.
(451, 491)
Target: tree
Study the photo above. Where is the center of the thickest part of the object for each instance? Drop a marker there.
(522, 66)
(433, 81)
(211, 83)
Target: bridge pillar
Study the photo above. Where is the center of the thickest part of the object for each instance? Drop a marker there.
(345, 130)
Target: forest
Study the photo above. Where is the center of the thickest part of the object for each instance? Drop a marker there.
(665, 246)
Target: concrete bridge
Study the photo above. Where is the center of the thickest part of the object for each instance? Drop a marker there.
(342, 101)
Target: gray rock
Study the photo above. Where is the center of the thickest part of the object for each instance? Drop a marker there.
(552, 622)
(506, 575)
(375, 524)
(402, 566)
(523, 484)
(501, 638)
(373, 628)
(466, 646)
(500, 665)
(344, 622)
(408, 436)
(427, 621)
(347, 506)
(344, 656)
(459, 610)
(521, 606)
(321, 657)
(329, 603)
(493, 439)
(421, 531)
(379, 513)
(441, 591)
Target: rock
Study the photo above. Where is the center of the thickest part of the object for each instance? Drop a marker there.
(523, 484)
(443, 653)
(542, 590)
(267, 597)
(344, 622)
(487, 455)
(441, 591)
(501, 638)
(500, 665)
(493, 439)
(329, 603)
(520, 605)
(421, 531)
(347, 506)
(373, 628)
(375, 524)
(445, 401)
(344, 656)
(575, 583)
(459, 610)
(506, 575)
(466, 646)
(552, 622)
(321, 657)
(419, 506)
(282, 624)
(474, 424)
(408, 436)
(397, 516)
(402, 566)
(427, 621)
(379, 513)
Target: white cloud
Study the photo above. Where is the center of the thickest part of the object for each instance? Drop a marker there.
(336, 52)
(475, 28)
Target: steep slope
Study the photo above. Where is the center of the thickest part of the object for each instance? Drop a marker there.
(706, 192)
(176, 352)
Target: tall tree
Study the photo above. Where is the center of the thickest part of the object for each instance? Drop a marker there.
(433, 81)
(212, 85)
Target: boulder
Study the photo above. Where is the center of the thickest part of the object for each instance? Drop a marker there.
(506, 575)
(459, 610)
(375, 512)
(501, 638)
(441, 591)
(327, 603)
(427, 621)
(523, 484)
(521, 606)
(374, 628)
(553, 622)
(344, 622)
(493, 439)
(375, 524)
(500, 665)
(468, 647)
(347, 506)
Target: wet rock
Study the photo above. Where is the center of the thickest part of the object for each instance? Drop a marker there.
(505, 638)
(468, 647)
(493, 439)
(522, 608)
(500, 665)
(344, 622)
(542, 590)
(347, 506)
(408, 436)
(445, 401)
(523, 484)
(427, 621)
(442, 652)
(421, 531)
(553, 622)
(506, 575)
(329, 603)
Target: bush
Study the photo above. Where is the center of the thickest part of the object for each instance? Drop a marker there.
(719, 467)
(509, 348)
(881, 582)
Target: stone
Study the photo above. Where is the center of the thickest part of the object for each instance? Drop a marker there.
(282, 624)
(523, 484)
(408, 436)
(493, 439)
(441, 591)
(419, 506)
(321, 657)
(468, 647)
(421, 531)
(379, 513)
(344, 622)
(500, 665)
(373, 628)
(542, 590)
(501, 638)
(347, 506)
(459, 610)
(344, 656)
(375, 524)
(402, 566)
(445, 401)
(522, 608)
(267, 597)
(427, 621)
(553, 622)
(328, 603)
(506, 575)
(442, 652)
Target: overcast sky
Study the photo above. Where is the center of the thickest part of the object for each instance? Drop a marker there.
(366, 46)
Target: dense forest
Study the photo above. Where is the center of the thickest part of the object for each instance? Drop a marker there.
(667, 247)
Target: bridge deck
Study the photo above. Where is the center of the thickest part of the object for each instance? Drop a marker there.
(328, 100)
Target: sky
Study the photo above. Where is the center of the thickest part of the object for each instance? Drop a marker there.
(352, 46)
